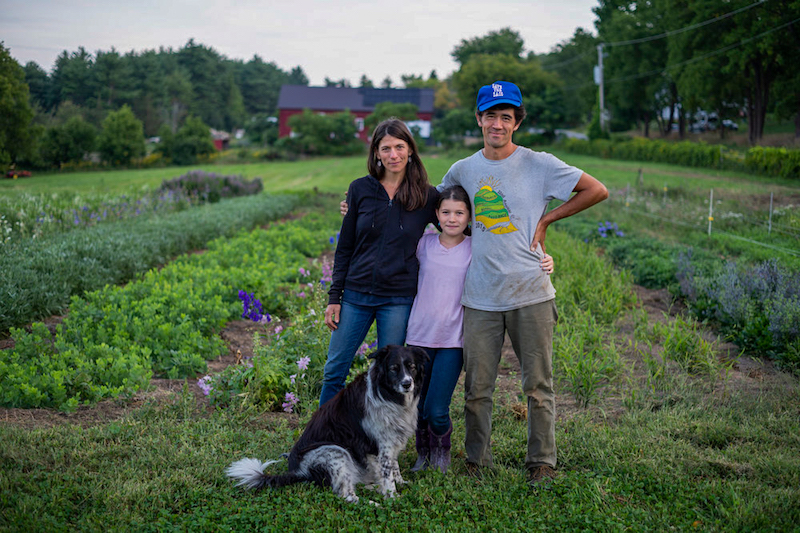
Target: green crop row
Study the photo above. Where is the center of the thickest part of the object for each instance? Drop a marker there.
(165, 322)
(38, 277)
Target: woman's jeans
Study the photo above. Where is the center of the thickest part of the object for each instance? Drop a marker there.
(359, 311)
(442, 370)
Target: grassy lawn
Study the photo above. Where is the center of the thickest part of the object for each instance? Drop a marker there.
(333, 174)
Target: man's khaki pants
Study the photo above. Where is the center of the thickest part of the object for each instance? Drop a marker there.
(531, 332)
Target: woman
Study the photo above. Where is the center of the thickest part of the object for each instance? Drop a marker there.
(375, 267)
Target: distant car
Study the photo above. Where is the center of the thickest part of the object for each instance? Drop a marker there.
(14, 174)
(729, 124)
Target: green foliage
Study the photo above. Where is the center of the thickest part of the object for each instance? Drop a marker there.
(69, 142)
(652, 263)
(262, 130)
(684, 343)
(167, 320)
(42, 372)
(482, 69)
(454, 126)
(585, 357)
(595, 131)
(780, 162)
(192, 141)
(16, 140)
(773, 161)
(502, 42)
(286, 371)
(333, 134)
(122, 137)
(37, 278)
(33, 216)
(384, 110)
(758, 306)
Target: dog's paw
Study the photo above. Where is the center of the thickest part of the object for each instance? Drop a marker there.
(351, 498)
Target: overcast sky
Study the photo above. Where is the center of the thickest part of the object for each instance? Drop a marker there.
(337, 38)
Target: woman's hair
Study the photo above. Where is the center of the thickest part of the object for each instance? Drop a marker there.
(457, 194)
(413, 191)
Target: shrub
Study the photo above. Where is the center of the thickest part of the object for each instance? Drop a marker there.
(758, 306)
(192, 141)
(762, 160)
(773, 161)
(210, 187)
(122, 137)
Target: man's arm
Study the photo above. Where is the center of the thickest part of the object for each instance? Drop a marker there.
(588, 191)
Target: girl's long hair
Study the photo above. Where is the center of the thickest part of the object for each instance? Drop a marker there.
(413, 191)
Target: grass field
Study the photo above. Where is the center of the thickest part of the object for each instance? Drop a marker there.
(661, 425)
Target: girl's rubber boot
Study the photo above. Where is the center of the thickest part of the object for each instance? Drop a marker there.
(423, 447)
(440, 450)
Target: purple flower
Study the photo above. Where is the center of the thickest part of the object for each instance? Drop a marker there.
(290, 400)
(303, 272)
(251, 308)
(301, 294)
(205, 384)
(303, 362)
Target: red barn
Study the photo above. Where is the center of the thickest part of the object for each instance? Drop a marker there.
(360, 101)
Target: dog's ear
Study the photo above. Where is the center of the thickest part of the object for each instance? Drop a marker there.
(420, 356)
(379, 355)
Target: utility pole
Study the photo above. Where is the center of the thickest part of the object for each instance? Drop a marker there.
(600, 83)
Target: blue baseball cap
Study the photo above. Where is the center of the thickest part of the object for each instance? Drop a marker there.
(500, 92)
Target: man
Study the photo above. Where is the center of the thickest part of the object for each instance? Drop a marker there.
(505, 290)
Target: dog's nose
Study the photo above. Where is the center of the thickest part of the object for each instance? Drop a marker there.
(406, 383)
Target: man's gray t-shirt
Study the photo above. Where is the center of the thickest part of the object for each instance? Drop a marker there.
(509, 197)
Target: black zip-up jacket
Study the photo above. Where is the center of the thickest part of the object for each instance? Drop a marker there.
(377, 249)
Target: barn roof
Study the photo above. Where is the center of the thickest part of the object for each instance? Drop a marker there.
(352, 98)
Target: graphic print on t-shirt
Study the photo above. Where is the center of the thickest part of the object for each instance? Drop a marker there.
(490, 208)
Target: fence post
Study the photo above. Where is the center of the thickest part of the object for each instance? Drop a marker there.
(769, 226)
(628, 195)
(710, 211)
(665, 192)
(641, 178)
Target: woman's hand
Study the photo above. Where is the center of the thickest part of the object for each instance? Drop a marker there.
(548, 265)
(332, 315)
(343, 205)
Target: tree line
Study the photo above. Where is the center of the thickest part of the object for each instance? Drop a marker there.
(663, 60)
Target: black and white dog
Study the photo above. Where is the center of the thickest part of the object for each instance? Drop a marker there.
(356, 436)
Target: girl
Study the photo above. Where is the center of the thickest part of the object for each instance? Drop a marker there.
(375, 266)
(436, 322)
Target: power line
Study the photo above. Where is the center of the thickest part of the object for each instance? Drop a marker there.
(568, 61)
(687, 28)
(687, 62)
(703, 56)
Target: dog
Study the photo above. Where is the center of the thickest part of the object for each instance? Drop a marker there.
(357, 436)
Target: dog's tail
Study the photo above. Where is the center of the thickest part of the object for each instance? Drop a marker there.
(250, 473)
